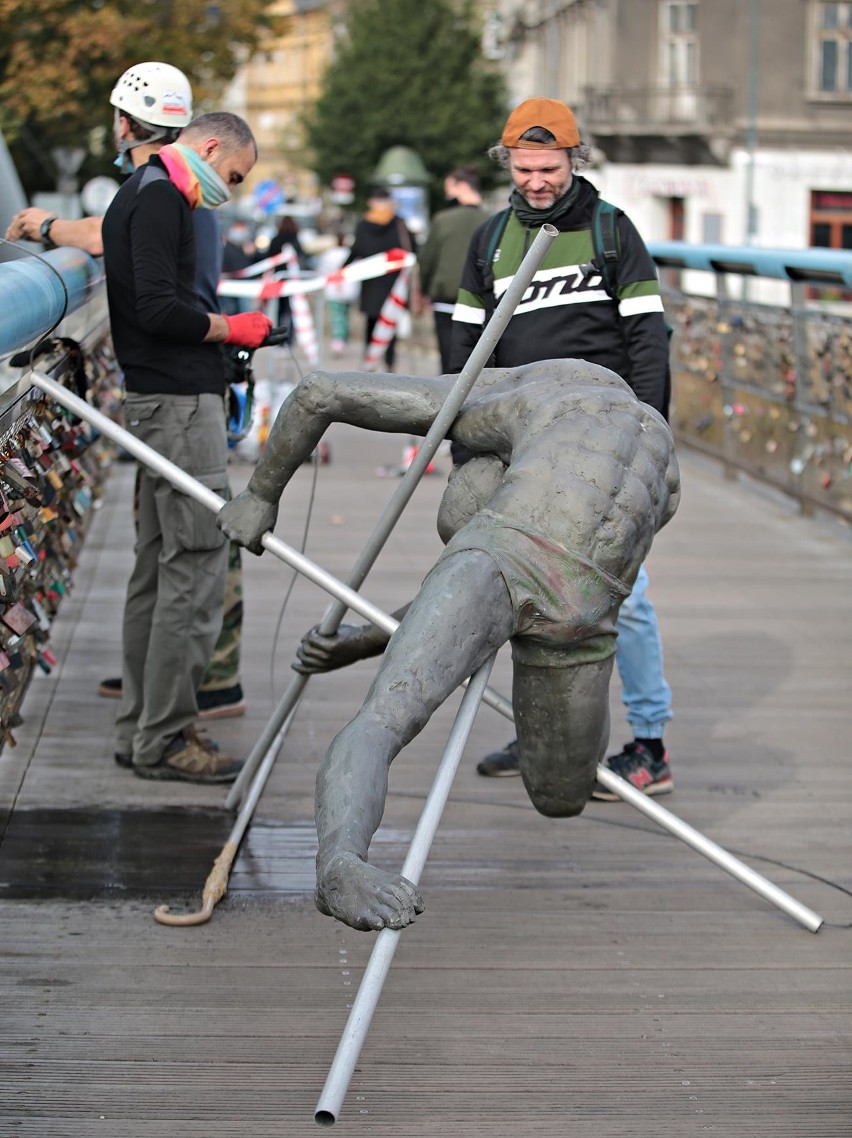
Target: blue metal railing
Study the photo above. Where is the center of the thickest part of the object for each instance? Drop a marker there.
(826, 267)
(38, 291)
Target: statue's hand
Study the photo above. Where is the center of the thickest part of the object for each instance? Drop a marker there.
(318, 653)
(246, 519)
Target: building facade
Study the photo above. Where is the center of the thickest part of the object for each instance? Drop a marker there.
(722, 121)
(711, 120)
(275, 87)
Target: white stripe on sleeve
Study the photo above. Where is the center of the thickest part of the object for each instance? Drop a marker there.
(636, 305)
(467, 314)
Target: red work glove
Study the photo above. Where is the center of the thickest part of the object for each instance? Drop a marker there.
(248, 329)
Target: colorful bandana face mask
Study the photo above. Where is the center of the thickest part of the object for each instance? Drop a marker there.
(196, 179)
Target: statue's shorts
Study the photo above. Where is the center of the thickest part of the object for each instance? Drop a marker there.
(565, 607)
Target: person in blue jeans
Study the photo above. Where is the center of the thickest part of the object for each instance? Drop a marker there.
(573, 309)
(646, 695)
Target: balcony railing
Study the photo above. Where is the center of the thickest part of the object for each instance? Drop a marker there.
(655, 110)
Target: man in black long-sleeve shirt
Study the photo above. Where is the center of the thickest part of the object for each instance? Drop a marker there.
(174, 378)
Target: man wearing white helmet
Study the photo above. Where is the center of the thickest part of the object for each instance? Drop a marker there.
(153, 102)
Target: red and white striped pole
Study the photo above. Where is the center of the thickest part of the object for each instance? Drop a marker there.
(303, 321)
(386, 324)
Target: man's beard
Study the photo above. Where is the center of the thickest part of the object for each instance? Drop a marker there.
(552, 197)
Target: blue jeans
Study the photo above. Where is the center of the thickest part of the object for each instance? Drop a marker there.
(639, 659)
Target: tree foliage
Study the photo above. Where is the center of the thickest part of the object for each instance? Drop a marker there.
(410, 73)
(59, 60)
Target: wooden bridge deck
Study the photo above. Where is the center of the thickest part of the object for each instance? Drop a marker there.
(591, 977)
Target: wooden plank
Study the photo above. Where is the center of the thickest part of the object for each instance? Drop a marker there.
(589, 977)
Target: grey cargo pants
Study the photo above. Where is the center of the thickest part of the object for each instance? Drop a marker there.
(175, 596)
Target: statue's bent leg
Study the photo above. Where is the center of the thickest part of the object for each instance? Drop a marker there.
(460, 617)
(562, 720)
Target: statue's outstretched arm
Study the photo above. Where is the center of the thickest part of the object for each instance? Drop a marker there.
(392, 403)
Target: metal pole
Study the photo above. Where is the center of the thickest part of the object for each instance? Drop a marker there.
(357, 603)
(751, 130)
(370, 989)
(207, 498)
(709, 849)
(426, 452)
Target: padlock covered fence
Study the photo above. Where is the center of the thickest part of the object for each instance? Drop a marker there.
(52, 465)
(764, 387)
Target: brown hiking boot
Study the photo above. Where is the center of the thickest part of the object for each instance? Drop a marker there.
(189, 758)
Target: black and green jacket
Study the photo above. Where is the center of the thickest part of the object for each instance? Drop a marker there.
(566, 312)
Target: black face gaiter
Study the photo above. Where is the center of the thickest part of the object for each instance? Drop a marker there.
(529, 216)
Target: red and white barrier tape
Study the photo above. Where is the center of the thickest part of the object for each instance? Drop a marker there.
(264, 266)
(365, 269)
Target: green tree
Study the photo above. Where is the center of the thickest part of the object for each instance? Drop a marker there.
(59, 60)
(410, 73)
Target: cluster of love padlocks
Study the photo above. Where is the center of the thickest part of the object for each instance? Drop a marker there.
(52, 467)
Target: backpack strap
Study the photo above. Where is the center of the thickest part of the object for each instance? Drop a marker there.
(605, 245)
(493, 231)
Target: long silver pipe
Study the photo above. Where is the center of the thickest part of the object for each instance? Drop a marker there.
(193, 489)
(390, 515)
(370, 988)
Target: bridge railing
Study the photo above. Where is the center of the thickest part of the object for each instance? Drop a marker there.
(52, 466)
(765, 388)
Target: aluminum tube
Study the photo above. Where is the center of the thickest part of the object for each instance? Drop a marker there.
(242, 789)
(250, 805)
(399, 500)
(709, 849)
(358, 1024)
(212, 501)
(357, 603)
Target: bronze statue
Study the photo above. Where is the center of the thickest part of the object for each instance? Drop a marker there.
(545, 532)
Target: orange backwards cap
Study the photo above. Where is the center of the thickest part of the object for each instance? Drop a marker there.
(552, 114)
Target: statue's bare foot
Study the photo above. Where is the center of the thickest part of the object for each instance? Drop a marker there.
(355, 892)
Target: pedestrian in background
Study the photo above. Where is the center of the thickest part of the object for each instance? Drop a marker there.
(340, 295)
(379, 230)
(238, 252)
(442, 256)
(286, 234)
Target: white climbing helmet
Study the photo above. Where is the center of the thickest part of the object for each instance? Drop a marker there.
(154, 93)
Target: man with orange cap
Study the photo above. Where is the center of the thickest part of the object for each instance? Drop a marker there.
(573, 309)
